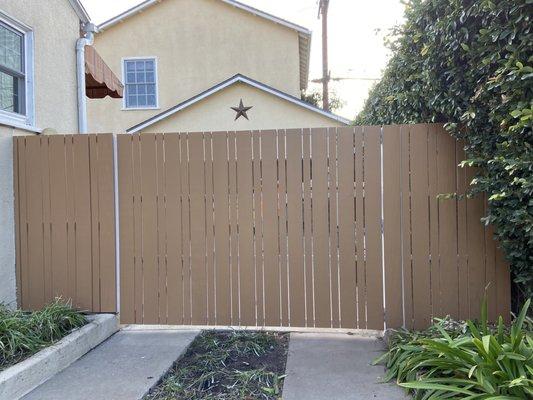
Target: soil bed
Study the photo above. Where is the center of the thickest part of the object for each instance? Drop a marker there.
(229, 366)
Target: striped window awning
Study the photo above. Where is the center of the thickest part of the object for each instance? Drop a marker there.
(100, 81)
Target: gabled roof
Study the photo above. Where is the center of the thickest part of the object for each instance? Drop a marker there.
(83, 15)
(304, 34)
(217, 88)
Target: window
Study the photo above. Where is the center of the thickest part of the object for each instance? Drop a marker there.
(140, 78)
(16, 70)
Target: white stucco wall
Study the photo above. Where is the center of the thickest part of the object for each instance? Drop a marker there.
(56, 28)
(7, 225)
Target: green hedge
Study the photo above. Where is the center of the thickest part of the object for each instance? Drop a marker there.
(469, 64)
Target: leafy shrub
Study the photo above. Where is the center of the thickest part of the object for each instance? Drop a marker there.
(25, 333)
(469, 64)
(469, 360)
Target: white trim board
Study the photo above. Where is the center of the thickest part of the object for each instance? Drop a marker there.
(83, 15)
(221, 86)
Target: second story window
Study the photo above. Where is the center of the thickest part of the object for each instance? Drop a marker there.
(140, 78)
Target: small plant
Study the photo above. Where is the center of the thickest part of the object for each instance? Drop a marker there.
(465, 361)
(25, 333)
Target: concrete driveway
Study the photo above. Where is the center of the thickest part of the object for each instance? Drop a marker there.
(336, 367)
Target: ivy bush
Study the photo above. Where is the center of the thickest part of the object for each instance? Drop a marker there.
(468, 64)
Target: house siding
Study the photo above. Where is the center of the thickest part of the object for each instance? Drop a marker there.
(198, 43)
(56, 28)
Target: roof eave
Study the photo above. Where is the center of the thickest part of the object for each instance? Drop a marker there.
(82, 13)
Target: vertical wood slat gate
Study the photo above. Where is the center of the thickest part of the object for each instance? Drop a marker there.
(269, 228)
(64, 219)
(284, 228)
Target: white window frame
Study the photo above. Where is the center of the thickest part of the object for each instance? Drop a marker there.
(26, 120)
(156, 107)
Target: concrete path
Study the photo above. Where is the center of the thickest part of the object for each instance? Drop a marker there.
(124, 367)
(335, 367)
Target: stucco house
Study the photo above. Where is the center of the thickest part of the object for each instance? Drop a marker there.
(201, 65)
(47, 70)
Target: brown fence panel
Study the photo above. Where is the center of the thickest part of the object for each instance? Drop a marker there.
(448, 256)
(65, 221)
(328, 228)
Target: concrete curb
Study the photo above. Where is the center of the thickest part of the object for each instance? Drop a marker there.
(25, 376)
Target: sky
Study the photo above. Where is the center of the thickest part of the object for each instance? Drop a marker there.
(356, 32)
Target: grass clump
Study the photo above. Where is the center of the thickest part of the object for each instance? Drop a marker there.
(25, 333)
(229, 366)
(465, 360)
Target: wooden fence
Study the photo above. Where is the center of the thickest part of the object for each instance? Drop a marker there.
(284, 228)
(329, 228)
(65, 228)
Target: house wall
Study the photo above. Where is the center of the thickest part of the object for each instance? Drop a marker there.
(56, 28)
(198, 43)
(268, 112)
(7, 221)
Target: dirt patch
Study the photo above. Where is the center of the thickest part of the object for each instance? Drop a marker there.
(228, 365)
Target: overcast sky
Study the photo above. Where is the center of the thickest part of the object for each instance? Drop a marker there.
(356, 32)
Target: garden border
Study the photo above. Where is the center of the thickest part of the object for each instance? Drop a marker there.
(22, 378)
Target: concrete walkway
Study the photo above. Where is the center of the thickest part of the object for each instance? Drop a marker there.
(335, 367)
(124, 367)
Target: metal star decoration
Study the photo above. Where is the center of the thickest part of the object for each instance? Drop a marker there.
(241, 111)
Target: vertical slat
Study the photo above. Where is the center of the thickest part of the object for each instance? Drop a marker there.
(127, 270)
(24, 256)
(282, 228)
(186, 233)
(245, 221)
(407, 261)
(197, 216)
(209, 230)
(47, 245)
(447, 225)
(392, 228)
(270, 229)
(320, 228)
(435, 285)
(220, 186)
(174, 223)
(82, 196)
(58, 215)
(420, 226)
(149, 227)
(36, 293)
(95, 206)
(234, 236)
(462, 237)
(295, 231)
(476, 249)
(374, 268)
(347, 263)
(307, 229)
(161, 230)
(333, 226)
(258, 229)
(138, 217)
(360, 231)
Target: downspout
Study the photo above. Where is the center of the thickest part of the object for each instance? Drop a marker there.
(86, 40)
